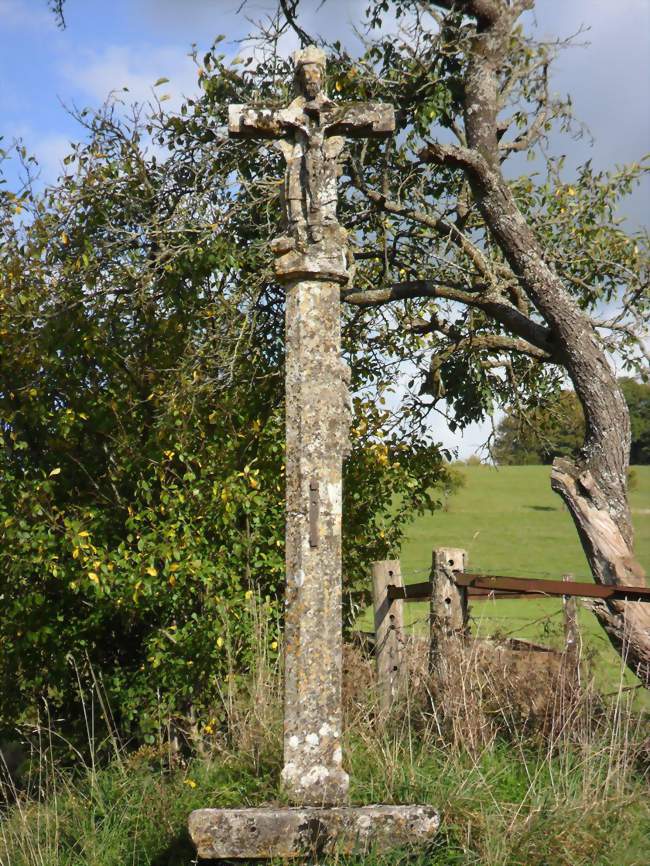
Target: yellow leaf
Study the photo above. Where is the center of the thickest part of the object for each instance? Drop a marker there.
(56, 471)
(219, 642)
(33, 392)
(254, 483)
(75, 553)
(65, 240)
(172, 580)
(571, 191)
(84, 534)
(338, 86)
(152, 571)
(93, 576)
(174, 566)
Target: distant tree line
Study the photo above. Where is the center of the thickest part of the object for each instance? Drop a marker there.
(558, 429)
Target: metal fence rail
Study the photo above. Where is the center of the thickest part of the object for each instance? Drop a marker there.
(489, 586)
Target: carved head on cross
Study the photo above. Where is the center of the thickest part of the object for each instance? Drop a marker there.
(309, 76)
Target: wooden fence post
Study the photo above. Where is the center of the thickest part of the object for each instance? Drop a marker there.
(389, 623)
(449, 614)
(571, 637)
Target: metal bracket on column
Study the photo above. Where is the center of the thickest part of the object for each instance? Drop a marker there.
(314, 512)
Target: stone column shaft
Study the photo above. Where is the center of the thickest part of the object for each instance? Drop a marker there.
(316, 440)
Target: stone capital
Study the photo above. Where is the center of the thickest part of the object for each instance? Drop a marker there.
(324, 259)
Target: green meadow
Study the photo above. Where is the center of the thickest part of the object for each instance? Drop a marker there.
(511, 523)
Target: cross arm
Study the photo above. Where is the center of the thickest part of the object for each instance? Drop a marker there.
(352, 120)
(250, 121)
(360, 119)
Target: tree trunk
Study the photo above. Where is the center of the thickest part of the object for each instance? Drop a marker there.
(594, 489)
(612, 561)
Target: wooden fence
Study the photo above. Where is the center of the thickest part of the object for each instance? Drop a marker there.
(448, 591)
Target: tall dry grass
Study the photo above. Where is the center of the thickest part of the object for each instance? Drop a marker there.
(523, 769)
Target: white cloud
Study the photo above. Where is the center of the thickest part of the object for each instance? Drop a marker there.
(96, 74)
(50, 150)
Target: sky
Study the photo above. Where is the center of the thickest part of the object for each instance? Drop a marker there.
(132, 43)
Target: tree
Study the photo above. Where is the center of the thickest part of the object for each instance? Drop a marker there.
(557, 429)
(546, 432)
(147, 273)
(492, 286)
(141, 398)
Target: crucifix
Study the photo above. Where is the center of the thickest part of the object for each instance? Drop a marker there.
(312, 262)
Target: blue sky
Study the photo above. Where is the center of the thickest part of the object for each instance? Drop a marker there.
(131, 43)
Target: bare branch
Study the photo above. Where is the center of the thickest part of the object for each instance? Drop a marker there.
(289, 8)
(483, 342)
(490, 302)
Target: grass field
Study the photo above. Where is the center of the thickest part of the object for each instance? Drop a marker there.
(511, 523)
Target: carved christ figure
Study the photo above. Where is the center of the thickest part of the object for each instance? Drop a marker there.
(310, 133)
(312, 158)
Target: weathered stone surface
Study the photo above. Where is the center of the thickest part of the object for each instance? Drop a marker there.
(312, 263)
(317, 419)
(294, 832)
(324, 260)
(367, 119)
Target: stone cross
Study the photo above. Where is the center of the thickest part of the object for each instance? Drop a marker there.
(312, 262)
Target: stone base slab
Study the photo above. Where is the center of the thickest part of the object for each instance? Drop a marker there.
(239, 834)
